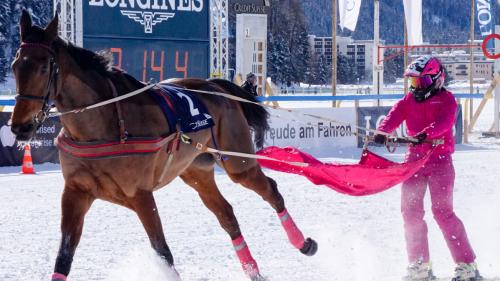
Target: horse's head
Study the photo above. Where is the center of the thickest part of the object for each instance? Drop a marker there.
(35, 71)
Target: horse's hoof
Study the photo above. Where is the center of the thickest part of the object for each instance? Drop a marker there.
(258, 277)
(310, 247)
(58, 277)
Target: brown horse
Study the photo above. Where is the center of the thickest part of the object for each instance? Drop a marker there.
(49, 70)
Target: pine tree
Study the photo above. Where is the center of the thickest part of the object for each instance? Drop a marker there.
(284, 61)
(4, 38)
(288, 43)
(299, 45)
(325, 71)
(312, 71)
(393, 67)
(41, 13)
(346, 70)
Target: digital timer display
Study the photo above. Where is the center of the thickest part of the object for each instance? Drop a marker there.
(156, 59)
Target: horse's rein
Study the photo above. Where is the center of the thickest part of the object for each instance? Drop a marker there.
(44, 112)
(106, 102)
(147, 87)
(228, 96)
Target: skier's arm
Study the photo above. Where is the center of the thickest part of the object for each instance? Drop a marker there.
(395, 117)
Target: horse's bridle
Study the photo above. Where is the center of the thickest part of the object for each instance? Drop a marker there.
(41, 115)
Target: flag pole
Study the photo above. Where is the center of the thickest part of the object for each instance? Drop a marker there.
(472, 37)
(405, 79)
(334, 51)
(468, 102)
(376, 43)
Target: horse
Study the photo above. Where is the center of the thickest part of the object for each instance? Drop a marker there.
(51, 72)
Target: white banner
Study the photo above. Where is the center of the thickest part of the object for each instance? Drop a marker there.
(413, 16)
(349, 12)
(320, 138)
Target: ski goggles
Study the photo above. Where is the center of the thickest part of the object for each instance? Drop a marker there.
(421, 82)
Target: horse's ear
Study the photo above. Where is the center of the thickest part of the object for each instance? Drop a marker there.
(51, 29)
(25, 24)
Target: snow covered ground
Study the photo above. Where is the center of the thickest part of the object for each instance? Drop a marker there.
(359, 238)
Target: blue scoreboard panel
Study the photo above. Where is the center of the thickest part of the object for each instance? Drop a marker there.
(151, 39)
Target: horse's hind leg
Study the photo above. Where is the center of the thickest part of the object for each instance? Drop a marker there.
(143, 203)
(251, 176)
(201, 178)
(248, 173)
(75, 205)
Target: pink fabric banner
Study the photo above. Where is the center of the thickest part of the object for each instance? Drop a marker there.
(373, 173)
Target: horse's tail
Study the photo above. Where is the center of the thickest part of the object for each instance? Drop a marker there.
(256, 115)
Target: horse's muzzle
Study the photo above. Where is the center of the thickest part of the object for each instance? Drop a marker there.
(23, 132)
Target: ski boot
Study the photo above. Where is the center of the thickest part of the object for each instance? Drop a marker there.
(466, 272)
(419, 271)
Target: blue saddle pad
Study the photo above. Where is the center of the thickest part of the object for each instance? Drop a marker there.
(183, 108)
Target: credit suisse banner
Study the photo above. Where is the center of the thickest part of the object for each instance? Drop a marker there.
(42, 148)
(371, 117)
(157, 39)
(318, 137)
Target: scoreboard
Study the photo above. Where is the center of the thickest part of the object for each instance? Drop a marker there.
(151, 39)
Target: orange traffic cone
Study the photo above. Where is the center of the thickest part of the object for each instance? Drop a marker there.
(27, 161)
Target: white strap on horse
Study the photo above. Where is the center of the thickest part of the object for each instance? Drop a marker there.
(294, 111)
(228, 96)
(106, 102)
(199, 146)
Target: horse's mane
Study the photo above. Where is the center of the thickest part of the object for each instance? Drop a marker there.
(100, 62)
(86, 59)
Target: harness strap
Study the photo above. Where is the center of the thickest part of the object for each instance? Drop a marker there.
(121, 121)
(231, 97)
(172, 146)
(219, 156)
(119, 98)
(86, 150)
(201, 147)
(37, 46)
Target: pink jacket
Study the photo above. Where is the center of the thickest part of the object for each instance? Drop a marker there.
(435, 116)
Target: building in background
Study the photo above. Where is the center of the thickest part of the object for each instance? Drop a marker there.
(457, 61)
(251, 47)
(457, 64)
(358, 52)
(248, 20)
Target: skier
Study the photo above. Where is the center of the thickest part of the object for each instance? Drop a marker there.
(430, 112)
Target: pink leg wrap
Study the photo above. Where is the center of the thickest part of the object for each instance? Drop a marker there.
(247, 262)
(58, 277)
(294, 234)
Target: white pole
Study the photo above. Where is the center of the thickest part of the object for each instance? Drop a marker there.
(79, 23)
(496, 124)
(376, 42)
(334, 50)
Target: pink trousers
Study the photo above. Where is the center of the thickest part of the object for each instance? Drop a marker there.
(439, 174)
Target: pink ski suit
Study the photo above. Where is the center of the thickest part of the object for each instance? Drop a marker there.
(436, 117)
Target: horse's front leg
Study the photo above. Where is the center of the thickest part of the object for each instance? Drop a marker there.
(143, 203)
(75, 205)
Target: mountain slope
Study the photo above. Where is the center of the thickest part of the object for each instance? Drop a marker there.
(443, 21)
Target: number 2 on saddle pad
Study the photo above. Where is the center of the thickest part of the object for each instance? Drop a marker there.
(182, 108)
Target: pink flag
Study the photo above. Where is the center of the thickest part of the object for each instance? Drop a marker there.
(373, 173)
